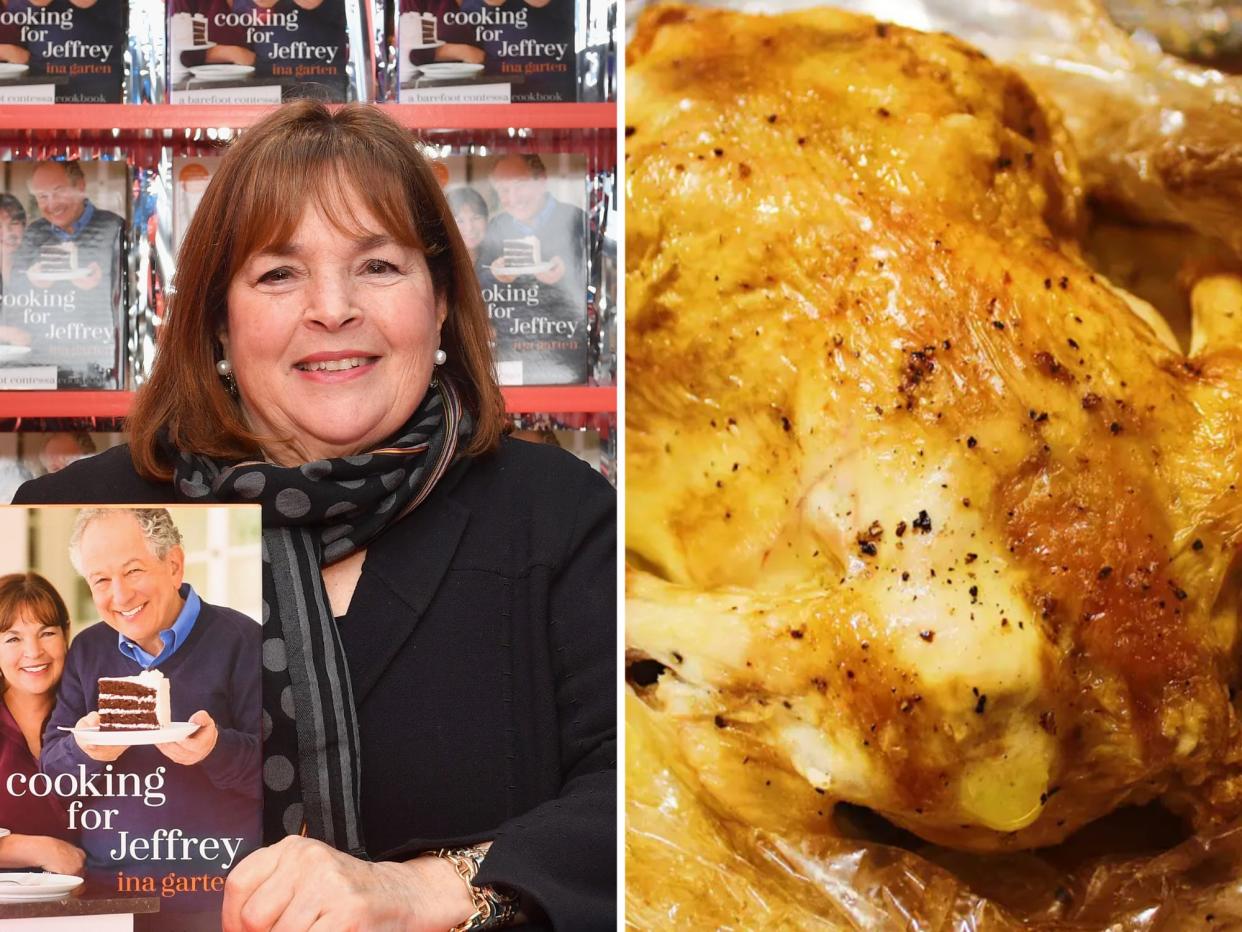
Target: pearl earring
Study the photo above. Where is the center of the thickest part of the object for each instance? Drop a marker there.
(225, 368)
(441, 357)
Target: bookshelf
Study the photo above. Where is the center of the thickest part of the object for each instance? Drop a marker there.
(147, 125)
(126, 119)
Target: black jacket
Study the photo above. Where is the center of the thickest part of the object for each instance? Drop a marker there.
(481, 641)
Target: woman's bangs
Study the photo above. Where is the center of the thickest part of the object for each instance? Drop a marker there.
(270, 209)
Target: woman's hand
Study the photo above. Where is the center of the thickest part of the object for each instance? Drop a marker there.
(14, 335)
(43, 851)
(300, 884)
(57, 856)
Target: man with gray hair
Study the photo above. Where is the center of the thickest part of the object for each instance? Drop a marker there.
(69, 267)
(132, 560)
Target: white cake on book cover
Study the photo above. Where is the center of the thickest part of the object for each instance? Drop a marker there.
(55, 260)
(416, 31)
(134, 703)
(521, 252)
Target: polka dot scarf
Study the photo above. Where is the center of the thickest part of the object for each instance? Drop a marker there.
(313, 515)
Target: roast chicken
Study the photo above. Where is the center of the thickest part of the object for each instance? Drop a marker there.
(923, 515)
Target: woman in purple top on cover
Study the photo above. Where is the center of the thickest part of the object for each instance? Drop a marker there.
(34, 632)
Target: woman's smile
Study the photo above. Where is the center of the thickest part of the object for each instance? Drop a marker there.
(332, 368)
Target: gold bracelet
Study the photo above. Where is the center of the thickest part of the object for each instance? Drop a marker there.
(492, 909)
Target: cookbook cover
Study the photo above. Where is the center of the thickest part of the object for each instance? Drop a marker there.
(62, 226)
(129, 760)
(522, 217)
(539, 428)
(256, 51)
(478, 52)
(57, 51)
(28, 454)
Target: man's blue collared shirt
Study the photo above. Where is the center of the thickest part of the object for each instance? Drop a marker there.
(172, 637)
(540, 218)
(88, 211)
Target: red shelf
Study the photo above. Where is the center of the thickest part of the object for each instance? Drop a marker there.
(523, 399)
(140, 117)
(64, 404)
(559, 399)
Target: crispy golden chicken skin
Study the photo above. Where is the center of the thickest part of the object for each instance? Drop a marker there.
(922, 514)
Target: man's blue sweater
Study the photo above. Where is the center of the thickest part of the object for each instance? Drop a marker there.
(217, 669)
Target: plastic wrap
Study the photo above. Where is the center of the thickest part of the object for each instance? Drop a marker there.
(600, 153)
(144, 67)
(1159, 138)
(141, 285)
(689, 866)
(1162, 140)
(595, 48)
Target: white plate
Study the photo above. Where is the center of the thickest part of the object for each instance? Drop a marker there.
(173, 731)
(9, 351)
(18, 887)
(527, 269)
(222, 71)
(64, 276)
(449, 69)
(11, 69)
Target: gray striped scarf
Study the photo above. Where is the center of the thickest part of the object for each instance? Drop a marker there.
(313, 515)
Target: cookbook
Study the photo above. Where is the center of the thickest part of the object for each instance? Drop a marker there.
(130, 760)
(62, 227)
(522, 219)
(60, 52)
(514, 51)
(256, 51)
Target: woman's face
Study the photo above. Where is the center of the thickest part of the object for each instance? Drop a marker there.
(11, 231)
(472, 225)
(32, 657)
(332, 338)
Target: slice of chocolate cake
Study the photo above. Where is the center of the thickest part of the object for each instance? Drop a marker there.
(428, 23)
(55, 260)
(521, 253)
(134, 703)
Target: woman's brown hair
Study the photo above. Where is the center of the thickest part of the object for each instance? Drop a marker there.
(303, 154)
(30, 596)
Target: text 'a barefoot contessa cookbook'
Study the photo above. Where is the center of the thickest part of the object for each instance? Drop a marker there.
(131, 723)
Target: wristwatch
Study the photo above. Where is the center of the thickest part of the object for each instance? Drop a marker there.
(492, 909)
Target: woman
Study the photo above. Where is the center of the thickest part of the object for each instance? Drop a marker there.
(12, 226)
(470, 215)
(449, 593)
(34, 635)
